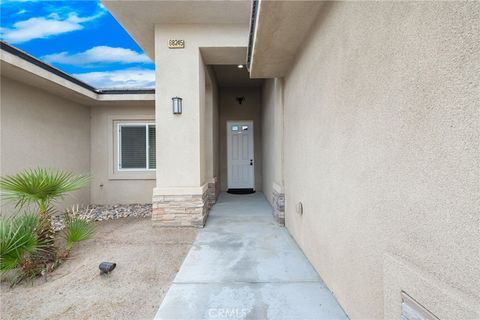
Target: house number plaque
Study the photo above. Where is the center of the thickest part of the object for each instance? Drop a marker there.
(176, 44)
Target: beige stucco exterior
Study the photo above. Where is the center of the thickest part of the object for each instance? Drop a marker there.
(211, 133)
(381, 147)
(140, 18)
(371, 125)
(108, 185)
(182, 156)
(281, 28)
(39, 129)
(272, 137)
(49, 122)
(185, 156)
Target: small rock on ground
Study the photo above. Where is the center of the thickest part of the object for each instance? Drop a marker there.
(106, 212)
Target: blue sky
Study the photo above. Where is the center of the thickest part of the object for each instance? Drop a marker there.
(80, 38)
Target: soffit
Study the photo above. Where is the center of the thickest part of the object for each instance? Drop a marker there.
(280, 30)
(139, 17)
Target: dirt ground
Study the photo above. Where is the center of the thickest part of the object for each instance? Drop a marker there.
(147, 260)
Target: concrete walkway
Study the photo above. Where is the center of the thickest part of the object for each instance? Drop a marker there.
(244, 266)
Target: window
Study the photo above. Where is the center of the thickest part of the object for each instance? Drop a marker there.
(136, 146)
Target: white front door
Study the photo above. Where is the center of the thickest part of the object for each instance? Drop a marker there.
(241, 165)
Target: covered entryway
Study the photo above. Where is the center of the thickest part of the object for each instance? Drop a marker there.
(239, 128)
(243, 265)
(204, 63)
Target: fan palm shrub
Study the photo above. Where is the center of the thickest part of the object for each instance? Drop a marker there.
(19, 244)
(39, 189)
(17, 239)
(42, 187)
(76, 230)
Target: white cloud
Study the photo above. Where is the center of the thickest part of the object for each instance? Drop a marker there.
(44, 27)
(22, 11)
(72, 17)
(95, 55)
(120, 79)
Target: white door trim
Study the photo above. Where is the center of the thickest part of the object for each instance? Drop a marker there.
(251, 183)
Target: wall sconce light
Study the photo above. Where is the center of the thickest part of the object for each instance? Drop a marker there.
(177, 105)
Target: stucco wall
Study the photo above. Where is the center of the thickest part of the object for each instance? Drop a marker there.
(381, 147)
(203, 146)
(268, 137)
(181, 72)
(272, 136)
(216, 129)
(230, 109)
(210, 139)
(39, 129)
(109, 187)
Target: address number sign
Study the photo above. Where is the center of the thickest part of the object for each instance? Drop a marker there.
(176, 44)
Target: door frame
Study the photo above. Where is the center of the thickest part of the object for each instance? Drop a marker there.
(251, 150)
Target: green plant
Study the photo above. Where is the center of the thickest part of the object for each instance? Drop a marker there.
(37, 189)
(41, 187)
(17, 240)
(76, 230)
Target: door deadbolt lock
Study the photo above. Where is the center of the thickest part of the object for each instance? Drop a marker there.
(251, 162)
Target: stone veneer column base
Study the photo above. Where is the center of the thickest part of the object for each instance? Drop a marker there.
(278, 200)
(212, 192)
(180, 210)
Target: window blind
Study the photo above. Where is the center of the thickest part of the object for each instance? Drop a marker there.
(152, 159)
(133, 147)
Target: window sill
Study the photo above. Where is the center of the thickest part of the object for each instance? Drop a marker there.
(132, 175)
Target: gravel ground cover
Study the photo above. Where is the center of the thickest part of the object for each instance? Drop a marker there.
(147, 258)
(104, 212)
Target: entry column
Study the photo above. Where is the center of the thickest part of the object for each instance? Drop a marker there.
(180, 196)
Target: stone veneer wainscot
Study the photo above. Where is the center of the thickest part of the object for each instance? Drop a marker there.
(180, 210)
(212, 192)
(278, 203)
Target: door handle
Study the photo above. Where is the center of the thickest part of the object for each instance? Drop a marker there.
(251, 162)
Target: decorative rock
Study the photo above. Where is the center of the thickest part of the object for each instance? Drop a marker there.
(106, 212)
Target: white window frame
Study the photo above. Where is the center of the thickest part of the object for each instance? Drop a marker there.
(119, 145)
